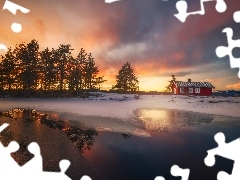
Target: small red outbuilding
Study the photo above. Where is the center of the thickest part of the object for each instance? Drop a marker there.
(192, 88)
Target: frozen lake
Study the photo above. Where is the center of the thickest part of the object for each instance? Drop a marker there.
(119, 157)
(164, 138)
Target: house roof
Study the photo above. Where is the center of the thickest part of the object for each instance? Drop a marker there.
(193, 84)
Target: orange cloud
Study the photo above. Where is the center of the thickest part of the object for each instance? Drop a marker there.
(234, 86)
(139, 32)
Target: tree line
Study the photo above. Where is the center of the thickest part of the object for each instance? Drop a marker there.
(25, 68)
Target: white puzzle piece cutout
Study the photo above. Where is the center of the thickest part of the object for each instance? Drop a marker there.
(227, 150)
(177, 172)
(3, 47)
(16, 27)
(12, 7)
(9, 168)
(111, 1)
(182, 9)
(222, 51)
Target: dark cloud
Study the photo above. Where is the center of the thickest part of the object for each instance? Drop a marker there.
(143, 32)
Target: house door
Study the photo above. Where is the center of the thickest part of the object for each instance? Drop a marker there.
(174, 90)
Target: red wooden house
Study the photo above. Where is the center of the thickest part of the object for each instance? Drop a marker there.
(192, 88)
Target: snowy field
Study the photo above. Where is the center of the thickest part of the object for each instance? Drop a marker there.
(114, 111)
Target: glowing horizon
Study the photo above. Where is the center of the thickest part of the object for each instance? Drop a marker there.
(152, 40)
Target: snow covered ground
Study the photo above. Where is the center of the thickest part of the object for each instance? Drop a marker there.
(111, 110)
(103, 106)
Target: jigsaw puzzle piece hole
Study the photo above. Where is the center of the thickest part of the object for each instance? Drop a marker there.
(5, 125)
(223, 176)
(221, 6)
(13, 147)
(177, 171)
(16, 27)
(182, 10)
(209, 160)
(34, 148)
(221, 51)
(182, 7)
(236, 17)
(159, 178)
(64, 164)
(88, 178)
(220, 138)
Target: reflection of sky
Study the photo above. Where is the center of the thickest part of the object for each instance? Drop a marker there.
(165, 120)
(146, 158)
(144, 33)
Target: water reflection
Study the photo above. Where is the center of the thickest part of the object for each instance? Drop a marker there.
(6, 136)
(172, 120)
(82, 138)
(125, 136)
(146, 158)
(21, 115)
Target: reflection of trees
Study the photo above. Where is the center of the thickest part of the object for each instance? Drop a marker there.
(24, 115)
(126, 136)
(6, 136)
(82, 139)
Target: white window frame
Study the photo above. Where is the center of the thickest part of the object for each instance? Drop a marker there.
(190, 90)
(197, 90)
(181, 90)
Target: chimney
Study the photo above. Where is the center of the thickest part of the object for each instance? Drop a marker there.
(189, 80)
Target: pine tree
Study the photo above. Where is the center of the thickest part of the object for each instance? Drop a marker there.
(126, 79)
(28, 57)
(62, 58)
(7, 68)
(90, 72)
(171, 82)
(28, 70)
(48, 72)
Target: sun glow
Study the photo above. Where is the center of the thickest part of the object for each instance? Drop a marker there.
(152, 83)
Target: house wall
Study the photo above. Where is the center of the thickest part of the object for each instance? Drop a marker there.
(203, 91)
(206, 91)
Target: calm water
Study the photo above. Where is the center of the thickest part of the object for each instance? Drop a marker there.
(124, 156)
(146, 158)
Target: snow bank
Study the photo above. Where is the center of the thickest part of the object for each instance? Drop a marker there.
(113, 110)
(119, 108)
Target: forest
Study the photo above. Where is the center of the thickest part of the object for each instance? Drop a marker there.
(25, 71)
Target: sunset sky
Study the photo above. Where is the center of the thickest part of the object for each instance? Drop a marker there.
(143, 32)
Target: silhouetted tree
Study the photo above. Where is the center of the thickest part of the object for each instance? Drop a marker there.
(98, 81)
(62, 58)
(1, 77)
(169, 87)
(90, 72)
(126, 79)
(48, 71)
(7, 68)
(77, 73)
(26, 68)
(28, 54)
